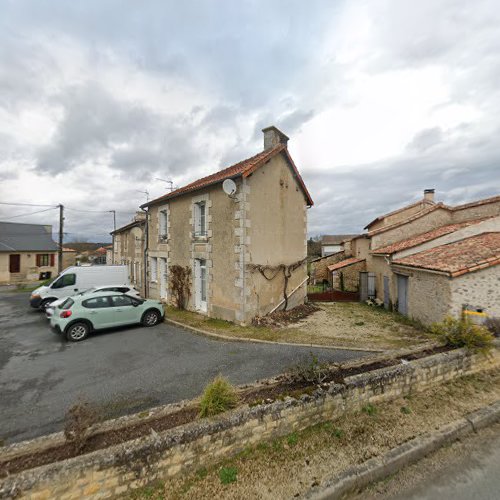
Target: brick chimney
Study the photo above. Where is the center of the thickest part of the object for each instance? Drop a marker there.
(273, 136)
(429, 194)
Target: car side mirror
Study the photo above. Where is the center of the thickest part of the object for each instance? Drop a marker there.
(135, 304)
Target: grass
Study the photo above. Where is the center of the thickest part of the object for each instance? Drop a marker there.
(347, 324)
(219, 396)
(287, 466)
(31, 287)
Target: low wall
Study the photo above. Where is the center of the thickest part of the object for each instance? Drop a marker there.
(333, 296)
(120, 469)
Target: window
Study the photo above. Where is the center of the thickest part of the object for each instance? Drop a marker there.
(44, 259)
(121, 301)
(96, 303)
(64, 280)
(203, 280)
(200, 219)
(163, 226)
(67, 304)
(153, 266)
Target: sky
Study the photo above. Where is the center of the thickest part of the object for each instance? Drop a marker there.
(381, 99)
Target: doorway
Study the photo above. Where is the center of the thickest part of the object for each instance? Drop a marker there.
(200, 284)
(163, 278)
(402, 294)
(15, 263)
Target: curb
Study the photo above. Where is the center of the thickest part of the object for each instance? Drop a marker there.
(406, 454)
(260, 341)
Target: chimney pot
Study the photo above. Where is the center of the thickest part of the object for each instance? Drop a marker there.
(429, 194)
(273, 136)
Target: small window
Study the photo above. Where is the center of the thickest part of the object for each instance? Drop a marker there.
(200, 219)
(67, 304)
(64, 280)
(121, 300)
(153, 263)
(96, 303)
(163, 226)
(43, 259)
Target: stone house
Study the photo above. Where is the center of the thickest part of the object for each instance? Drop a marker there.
(27, 252)
(423, 256)
(344, 275)
(244, 245)
(69, 257)
(318, 268)
(128, 249)
(334, 243)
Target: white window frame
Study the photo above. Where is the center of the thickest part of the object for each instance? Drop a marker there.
(201, 284)
(153, 269)
(163, 224)
(200, 221)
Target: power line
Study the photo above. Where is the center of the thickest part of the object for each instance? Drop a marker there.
(96, 211)
(30, 213)
(27, 204)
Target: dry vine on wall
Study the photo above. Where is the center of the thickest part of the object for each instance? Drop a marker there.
(270, 272)
(180, 279)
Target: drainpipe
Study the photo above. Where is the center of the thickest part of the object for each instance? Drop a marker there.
(146, 247)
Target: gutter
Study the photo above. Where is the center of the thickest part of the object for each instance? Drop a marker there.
(146, 247)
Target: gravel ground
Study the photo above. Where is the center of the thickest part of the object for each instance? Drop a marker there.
(288, 467)
(354, 324)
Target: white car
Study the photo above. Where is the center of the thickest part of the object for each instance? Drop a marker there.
(127, 289)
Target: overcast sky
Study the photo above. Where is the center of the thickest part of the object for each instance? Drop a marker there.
(381, 99)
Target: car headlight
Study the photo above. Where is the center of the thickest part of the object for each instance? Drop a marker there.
(35, 296)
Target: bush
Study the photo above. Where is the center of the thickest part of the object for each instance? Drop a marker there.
(312, 372)
(79, 420)
(219, 396)
(493, 325)
(228, 475)
(463, 332)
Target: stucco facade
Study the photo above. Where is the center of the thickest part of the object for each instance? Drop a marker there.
(28, 268)
(261, 227)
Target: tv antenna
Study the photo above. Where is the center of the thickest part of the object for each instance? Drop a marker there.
(144, 192)
(168, 182)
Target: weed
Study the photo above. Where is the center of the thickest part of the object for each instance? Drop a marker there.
(143, 414)
(79, 419)
(312, 372)
(277, 445)
(405, 410)
(292, 439)
(201, 473)
(369, 409)
(463, 332)
(262, 446)
(337, 433)
(228, 475)
(219, 396)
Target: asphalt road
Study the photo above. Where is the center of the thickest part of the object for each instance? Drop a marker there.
(121, 371)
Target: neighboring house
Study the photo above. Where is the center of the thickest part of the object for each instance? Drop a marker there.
(344, 275)
(27, 252)
(429, 259)
(334, 243)
(69, 258)
(128, 248)
(242, 248)
(109, 254)
(99, 256)
(318, 268)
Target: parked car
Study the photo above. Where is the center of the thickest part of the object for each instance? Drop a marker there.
(76, 279)
(129, 290)
(80, 315)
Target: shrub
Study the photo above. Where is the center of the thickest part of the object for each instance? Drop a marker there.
(180, 279)
(312, 372)
(493, 325)
(463, 332)
(228, 475)
(219, 396)
(79, 419)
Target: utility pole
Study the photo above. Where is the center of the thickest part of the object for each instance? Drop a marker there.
(61, 236)
(114, 229)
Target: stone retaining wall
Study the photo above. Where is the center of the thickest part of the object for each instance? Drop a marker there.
(120, 469)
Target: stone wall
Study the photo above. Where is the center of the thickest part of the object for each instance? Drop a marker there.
(116, 471)
(479, 289)
(347, 278)
(319, 267)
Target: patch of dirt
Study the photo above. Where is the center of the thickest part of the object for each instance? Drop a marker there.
(279, 319)
(254, 396)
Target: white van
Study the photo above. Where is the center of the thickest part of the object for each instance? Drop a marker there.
(77, 279)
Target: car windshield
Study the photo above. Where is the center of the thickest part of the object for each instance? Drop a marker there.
(66, 304)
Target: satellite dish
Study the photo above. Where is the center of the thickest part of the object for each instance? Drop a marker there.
(229, 187)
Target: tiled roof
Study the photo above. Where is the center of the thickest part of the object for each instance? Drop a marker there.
(478, 203)
(344, 263)
(336, 239)
(402, 209)
(460, 257)
(243, 168)
(424, 237)
(132, 224)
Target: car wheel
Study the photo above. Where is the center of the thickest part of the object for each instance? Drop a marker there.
(45, 303)
(77, 332)
(151, 318)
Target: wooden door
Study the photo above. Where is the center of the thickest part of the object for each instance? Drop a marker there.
(402, 294)
(14, 263)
